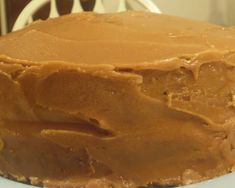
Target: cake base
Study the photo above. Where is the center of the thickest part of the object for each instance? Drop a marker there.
(27, 149)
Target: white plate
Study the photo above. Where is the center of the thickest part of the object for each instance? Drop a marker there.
(227, 181)
(5, 183)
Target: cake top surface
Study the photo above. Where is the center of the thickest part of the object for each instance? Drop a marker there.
(118, 38)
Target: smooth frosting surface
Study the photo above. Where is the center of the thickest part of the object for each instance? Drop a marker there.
(115, 38)
(125, 100)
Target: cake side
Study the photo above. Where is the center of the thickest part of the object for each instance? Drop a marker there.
(163, 118)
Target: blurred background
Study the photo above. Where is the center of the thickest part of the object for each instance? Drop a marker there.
(216, 11)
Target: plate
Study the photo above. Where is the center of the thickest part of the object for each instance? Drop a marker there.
(227, 181)
(6, 183)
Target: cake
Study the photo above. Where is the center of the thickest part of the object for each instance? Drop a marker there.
(118, 100)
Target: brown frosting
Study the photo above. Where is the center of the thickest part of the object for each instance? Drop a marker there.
(117, 100)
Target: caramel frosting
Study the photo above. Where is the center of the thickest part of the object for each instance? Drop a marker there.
(118, 100)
